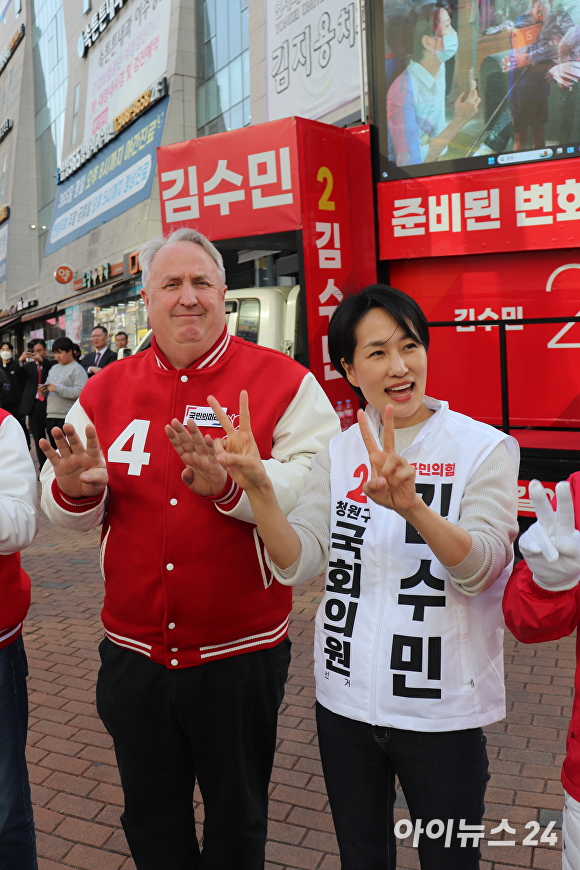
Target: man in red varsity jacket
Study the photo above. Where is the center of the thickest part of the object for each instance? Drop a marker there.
(196, 652)
(18, 526)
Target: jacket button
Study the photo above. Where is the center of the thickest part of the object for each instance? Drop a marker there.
(173, 501)
(174, 662)
(169, 566)
(173, 649)
(171, 625)
(184, 378)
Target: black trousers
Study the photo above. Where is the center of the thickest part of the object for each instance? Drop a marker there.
(215, 723)
(443, 774)
(37, 426)
(51, 423)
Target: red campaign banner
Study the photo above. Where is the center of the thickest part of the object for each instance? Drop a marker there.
(337, 233)
(543, 361)
(239, 183)
(525, 504)
(516, 208)
(284, 175)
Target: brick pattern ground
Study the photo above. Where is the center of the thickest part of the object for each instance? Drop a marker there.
(75, 783)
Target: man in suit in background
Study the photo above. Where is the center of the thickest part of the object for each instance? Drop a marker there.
(96, 361)
(35, 366)
(122, 345)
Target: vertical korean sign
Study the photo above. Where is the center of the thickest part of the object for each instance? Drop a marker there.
(337, 235)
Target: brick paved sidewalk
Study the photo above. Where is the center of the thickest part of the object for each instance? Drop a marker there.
(74, 779)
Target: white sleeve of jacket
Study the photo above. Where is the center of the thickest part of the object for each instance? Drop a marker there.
(305, 427)
(18, 499)
(80, 522)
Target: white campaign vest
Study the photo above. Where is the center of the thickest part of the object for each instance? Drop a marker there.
(396, 644)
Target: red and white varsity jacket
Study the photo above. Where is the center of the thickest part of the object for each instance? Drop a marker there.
(533, 614)
(185, 583)
(18, 525)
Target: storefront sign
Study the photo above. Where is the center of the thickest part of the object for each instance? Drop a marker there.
(131, 55)
(11, 47)
(312, 53)
(6, 128)
(516, 208)
(99, 23)
(284, 175)
(21, 305)
(99, 140)
(131, 266)
(63, 275)
(98, 275)
(111, 183)
(543, 360)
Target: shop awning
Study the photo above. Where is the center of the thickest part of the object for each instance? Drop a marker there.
(39, 313)
(90, 295)
(9, 321)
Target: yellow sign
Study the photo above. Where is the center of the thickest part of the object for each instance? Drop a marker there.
(131, 112)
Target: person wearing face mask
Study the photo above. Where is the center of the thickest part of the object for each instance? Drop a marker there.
(13, 388)
(412, 514)
(417, 122)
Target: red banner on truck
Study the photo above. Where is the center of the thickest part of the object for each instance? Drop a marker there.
(508, 208)
(285, 175)
(543, 360)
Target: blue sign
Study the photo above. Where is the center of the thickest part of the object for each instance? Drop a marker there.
(110, 183)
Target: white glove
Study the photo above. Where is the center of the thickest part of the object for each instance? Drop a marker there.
(552, 545)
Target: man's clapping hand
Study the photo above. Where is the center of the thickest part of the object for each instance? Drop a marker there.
(80, 471)
(202, 473)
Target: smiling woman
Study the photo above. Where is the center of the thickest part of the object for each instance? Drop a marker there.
(412, 514)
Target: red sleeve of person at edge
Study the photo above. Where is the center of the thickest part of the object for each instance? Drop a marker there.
(533, 614)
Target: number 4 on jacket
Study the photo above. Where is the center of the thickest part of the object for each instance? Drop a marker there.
(135, 457)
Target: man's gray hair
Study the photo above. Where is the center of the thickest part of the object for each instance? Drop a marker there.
(150, 248)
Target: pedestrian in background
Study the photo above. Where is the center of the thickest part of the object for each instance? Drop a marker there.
(18, 527)
(63, 385)
(12, 392)
(122, 345)
(35, 367)
(102, 355)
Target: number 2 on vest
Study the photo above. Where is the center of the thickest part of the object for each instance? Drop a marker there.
(357, 494)
(135, 457)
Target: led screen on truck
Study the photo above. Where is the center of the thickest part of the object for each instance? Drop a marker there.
(476, 84)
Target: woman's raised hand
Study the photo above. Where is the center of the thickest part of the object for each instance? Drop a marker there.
(392, 484)
(238, 452)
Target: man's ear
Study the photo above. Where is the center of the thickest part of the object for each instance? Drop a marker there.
(145, 297)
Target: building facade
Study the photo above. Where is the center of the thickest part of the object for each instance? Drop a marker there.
(88, 91)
